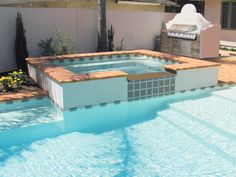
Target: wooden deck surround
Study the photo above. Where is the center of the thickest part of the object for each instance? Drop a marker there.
(62, 75)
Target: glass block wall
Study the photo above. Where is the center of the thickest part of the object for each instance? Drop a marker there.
(148, 88)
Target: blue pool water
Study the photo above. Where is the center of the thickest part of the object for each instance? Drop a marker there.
(191, 134)
(131, 66)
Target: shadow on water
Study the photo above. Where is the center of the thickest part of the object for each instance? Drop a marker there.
(95, 121)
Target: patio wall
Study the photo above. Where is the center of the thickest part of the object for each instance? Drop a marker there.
(136, 27)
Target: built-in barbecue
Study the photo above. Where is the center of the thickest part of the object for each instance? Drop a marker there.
(183, 31)
(190, 34)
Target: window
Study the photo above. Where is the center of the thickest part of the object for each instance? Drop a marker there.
(228, 14)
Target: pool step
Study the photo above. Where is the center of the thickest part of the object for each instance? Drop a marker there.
(212, 110)
(229, 94)
(215, 142)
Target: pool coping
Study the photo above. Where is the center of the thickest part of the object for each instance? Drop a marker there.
(22, 95)
(62, 75)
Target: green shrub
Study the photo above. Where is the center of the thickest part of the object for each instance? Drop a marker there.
(227, 48)
(13, 81)
(110, 36)
(59, 44)
(120, 47)
(111, 46)
(63, 44)
(46, 48)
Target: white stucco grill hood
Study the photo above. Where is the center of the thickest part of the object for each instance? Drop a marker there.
(187, 24)
(190, 34)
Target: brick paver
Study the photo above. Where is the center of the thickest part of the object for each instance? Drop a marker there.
(227, 72)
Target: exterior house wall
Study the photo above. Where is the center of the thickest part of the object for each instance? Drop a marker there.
(213, 11)
(213, 14)
(138, 28)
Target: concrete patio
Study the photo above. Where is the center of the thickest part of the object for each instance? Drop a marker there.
(227, 72)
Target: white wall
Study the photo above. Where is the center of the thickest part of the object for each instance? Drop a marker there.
(54, 89)
(196, 78)
(79, 94)
(7, 37)
(136, 27)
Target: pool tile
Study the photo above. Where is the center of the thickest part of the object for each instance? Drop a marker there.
(73, 109)
(103, 104)
(130, 87)
(117, 102)
(161, 83)
(143, 93)
(143, 85)
(137, 86)
(136, 93)
(88, 107)
(130, 94)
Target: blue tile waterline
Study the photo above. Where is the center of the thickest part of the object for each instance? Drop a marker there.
(143, 138)
(133, 65)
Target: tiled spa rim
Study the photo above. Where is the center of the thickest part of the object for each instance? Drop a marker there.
(69, 88)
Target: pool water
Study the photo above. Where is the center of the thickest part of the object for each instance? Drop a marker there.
(191, 134)
(23, 114)
(131, 66)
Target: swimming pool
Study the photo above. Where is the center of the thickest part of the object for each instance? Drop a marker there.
(188, 134)
(131, 66)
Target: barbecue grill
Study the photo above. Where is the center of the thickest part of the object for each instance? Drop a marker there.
(190, 34)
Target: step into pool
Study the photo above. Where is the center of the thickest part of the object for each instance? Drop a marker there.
(185, 135)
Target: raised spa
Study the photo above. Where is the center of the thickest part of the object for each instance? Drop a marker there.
(85, 80)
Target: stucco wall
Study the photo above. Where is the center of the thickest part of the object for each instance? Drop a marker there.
(55, 90)
(138, 28)
(213, 14)
(196, 78)
(94, 92)
(213, 10)
(7, 37)
(92, 4)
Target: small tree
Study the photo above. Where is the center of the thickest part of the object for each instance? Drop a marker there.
(46, 48)
(111, 34)
(111, 45)
(102, 27)
(21, 52)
